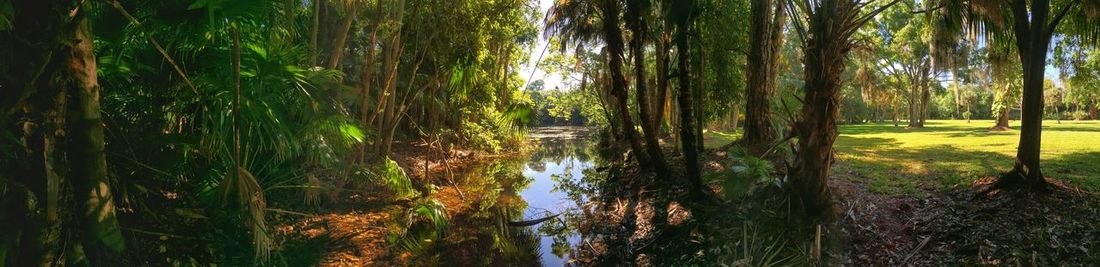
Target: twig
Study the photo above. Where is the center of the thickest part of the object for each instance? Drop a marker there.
(162, 234)
(914, 252)
(289, 212)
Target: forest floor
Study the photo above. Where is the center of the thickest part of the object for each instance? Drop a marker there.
(351, 227)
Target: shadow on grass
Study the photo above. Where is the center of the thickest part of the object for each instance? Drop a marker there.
(1080, 168)
(876, 162)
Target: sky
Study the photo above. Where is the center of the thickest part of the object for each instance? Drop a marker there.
(551, 81)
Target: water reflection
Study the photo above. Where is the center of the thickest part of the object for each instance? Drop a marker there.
(552, 180)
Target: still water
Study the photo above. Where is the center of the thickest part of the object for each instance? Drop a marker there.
(507, 195)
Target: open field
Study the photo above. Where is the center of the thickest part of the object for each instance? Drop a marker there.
(947, 154)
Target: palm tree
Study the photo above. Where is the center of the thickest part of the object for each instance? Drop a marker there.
(583, 22)
(826, 27)
(635, 12)
(682, 14)
(1031, 25)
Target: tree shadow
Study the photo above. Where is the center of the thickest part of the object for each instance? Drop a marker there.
(880, 161)
(1080, 168)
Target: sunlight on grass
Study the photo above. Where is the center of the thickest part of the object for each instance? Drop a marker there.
(715, 139)
(947, 154)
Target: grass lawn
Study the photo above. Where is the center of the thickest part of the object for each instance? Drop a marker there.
(947, 154)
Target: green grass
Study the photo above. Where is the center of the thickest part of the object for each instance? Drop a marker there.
(716, 139)
(947, 154)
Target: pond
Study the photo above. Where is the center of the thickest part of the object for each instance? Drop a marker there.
(523, 210)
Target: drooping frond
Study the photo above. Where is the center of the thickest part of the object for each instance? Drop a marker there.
(576, 22)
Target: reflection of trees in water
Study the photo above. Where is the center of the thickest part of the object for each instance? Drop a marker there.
(479, 235)
(558, 150)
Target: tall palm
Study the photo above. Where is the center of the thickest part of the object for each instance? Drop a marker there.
(1031, 25)
(585, 21)
(826, 27)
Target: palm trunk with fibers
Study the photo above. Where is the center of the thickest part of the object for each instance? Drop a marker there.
(765, 40)
(87, 154)
(824, 63)
(687, 106)
(637, 49)
(826, 31)
(614, 38)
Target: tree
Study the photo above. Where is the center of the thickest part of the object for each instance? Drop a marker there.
(682, 14)
(635, 13)
(765, 39)
(1031, 25)
(60, 168)
(826, 27)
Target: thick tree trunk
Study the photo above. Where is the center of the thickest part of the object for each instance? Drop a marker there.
(733, 118)
(827, 46)
(614, 38)
(688, 121)
(87, 155)
(1001, 123)
(59, 193)
(913, 116)
(647, 118)
(765, 40)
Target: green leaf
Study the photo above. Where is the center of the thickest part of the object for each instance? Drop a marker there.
(7, 15)
(199, 4)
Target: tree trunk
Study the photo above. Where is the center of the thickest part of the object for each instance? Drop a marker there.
(88, 158)
(662, 101)
(925, 96)
(313, 33)
(614, 38)
(368, 74)
(733, 117)
(392, 51)
(59, 194)
(827, 46)
(339, 44)
(1094, 109)
(1032, 42)
(686, 101)
(765, 40)
(1002, 121)
(637, 49)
